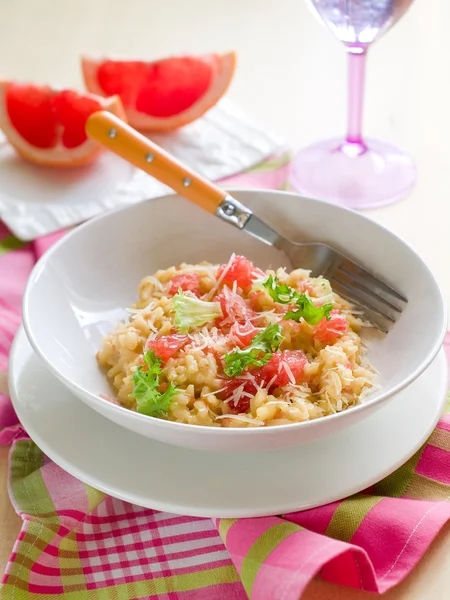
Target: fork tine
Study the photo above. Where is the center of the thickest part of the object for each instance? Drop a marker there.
(353, 281)
(370, 280)
(360, 296)
(377, 317)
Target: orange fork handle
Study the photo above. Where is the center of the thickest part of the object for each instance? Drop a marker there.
(112, 133)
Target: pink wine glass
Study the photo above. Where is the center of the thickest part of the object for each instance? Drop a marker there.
(354, 172)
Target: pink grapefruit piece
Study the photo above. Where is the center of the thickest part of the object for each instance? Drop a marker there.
(165, 94)
(47, 126)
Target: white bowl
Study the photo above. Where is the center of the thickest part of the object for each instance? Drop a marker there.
(78, 290)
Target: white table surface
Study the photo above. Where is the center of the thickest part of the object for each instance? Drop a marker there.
(292, 76)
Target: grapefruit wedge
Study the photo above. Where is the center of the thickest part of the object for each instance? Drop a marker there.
(164, 94)
(46, 126)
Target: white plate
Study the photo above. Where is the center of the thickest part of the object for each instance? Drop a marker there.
(35, 201)
(164, 477)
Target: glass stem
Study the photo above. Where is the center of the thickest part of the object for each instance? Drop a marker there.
(356, 73)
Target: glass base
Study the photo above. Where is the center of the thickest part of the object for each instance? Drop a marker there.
(352, 174)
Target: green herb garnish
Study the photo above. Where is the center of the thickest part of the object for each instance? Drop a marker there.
(149, 400)
(311, 313)
(258, 353)
(191, 312)
(304, 307)
(279, 292)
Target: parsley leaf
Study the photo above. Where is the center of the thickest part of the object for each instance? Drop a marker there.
(309, 311)
(146, 381)
(304, 307)
(279, 292)
(267, 341)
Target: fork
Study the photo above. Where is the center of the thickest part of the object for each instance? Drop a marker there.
(380, 303)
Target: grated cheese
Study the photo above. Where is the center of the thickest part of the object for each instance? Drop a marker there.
(241, 418)
(237, 394)
(152, 336)
(289, 372)
(277, 402)
(133, 312)
(266, 386)
(213, 291)
(152, 327)
(212, 393)
(331, 330)
(207, 339)
(267, 314)
(333, 410)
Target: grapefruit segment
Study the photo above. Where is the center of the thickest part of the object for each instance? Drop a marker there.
(189, 282)
(47, 126)
(31, 114)
(328, 331)
(164, 94)
(168, 345)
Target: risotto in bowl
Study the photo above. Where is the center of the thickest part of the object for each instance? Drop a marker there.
(178, 327)
(232, 345)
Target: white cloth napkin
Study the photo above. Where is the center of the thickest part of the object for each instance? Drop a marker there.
(35, 201)
(224, 142)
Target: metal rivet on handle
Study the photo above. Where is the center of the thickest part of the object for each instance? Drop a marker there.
(186, 182)
(149, 157)
(229, 209)
(112, 133)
